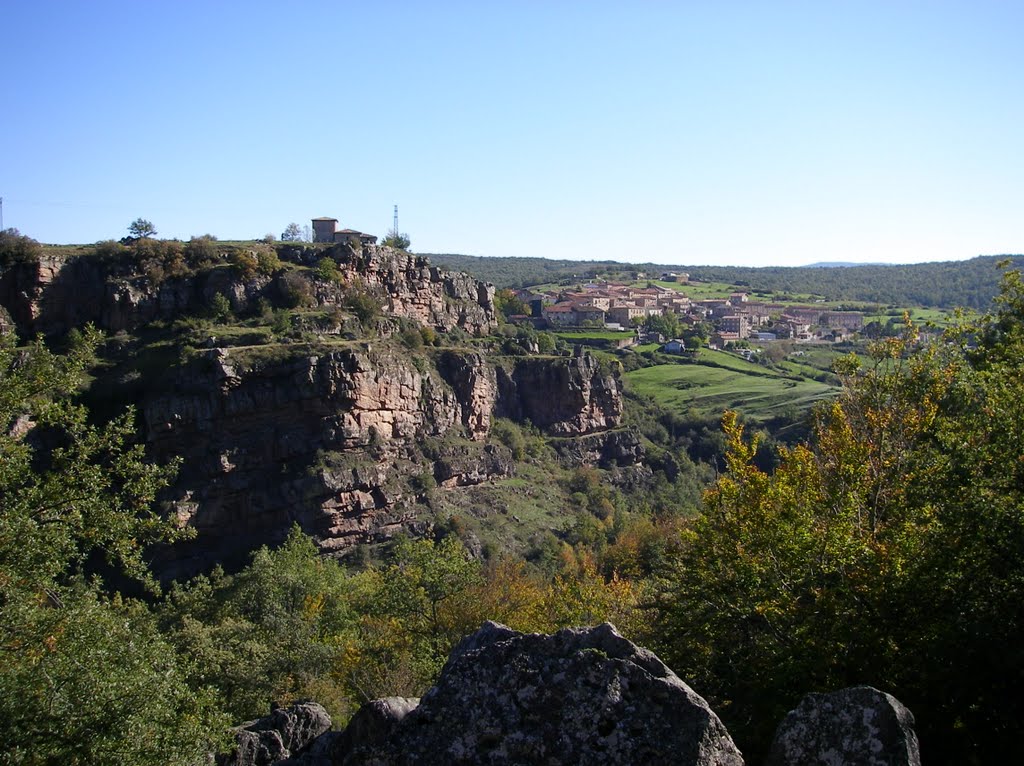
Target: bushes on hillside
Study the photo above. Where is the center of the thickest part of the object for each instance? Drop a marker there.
(887, 551)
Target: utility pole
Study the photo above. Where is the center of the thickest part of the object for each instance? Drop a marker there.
(2, 213)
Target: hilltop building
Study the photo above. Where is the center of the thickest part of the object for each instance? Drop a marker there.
(326, 230)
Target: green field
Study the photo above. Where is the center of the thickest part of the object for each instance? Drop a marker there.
(594, 335)
(700, 291)
(720, 381)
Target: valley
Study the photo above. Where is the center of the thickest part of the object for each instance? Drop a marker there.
(304, 470)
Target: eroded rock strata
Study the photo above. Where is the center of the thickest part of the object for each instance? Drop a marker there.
(57, 293)
(328, 440)
(339, 433)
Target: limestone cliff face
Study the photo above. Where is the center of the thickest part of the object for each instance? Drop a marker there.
(343, 437)
(57, 293)
(588, 399)
(414, 289)
(329, 439)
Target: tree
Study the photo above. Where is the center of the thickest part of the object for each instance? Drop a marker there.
(396, 239)
(508, 303)
(292, 233)
(201, 251)
(15, 247)
(86, 677)
(140, 228)
(665, 324)
(275, 630)
(365, 306)
(889, 550)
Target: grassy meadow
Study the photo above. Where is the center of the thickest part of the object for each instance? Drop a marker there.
(718, 380)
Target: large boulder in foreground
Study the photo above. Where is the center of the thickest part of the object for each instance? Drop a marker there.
(579, 696)
(859, 726)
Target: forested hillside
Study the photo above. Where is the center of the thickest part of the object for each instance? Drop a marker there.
(949, 284)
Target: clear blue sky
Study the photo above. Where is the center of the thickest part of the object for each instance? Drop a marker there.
(750, 133)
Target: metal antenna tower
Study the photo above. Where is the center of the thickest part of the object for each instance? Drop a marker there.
(394, 227)
(1, 213)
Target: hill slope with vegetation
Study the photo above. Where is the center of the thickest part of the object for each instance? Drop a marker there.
(887, 548)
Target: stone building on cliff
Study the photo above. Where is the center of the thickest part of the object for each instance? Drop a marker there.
(325, 229)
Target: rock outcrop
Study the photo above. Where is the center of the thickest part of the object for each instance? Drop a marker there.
(607, 449)
(580, 696)
(275, 738)
(412, 288)
(587, 395)
(860, 726)
(56, 293)
(329, 438)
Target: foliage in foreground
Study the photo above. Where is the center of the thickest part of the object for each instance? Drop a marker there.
(294, 624)
(86, 677)
(889, 551)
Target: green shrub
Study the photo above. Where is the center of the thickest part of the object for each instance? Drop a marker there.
(411, 338)
(511, 435)
(282, 322)
(201, 252)
(327, 270)
(365, 307)
(295, 290)
(244, 262)
(220, 308)
(267, 261)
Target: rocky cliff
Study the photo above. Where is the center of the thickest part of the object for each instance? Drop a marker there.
(588, 396)
(329, 437)
(331, 422)
(412, 288)
(59, 292)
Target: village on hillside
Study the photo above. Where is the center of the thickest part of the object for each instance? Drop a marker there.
(617, 306)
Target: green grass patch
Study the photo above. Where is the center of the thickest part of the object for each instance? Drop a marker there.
(509, 514)
(732, 383)
(612, 335)
(697, 291)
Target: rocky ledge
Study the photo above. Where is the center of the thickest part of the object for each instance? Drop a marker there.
(57, 293)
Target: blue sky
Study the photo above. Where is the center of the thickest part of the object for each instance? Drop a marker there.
(748, 133)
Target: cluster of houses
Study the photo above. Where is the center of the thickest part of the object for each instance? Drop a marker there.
(618, 306)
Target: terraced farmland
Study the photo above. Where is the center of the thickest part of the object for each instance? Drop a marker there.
(717, 381)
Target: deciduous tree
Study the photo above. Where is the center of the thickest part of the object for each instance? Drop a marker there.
(292, 233)
(86, 678)
(888, 550)
(140, 228)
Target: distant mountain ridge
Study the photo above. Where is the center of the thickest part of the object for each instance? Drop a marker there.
(946, 284)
